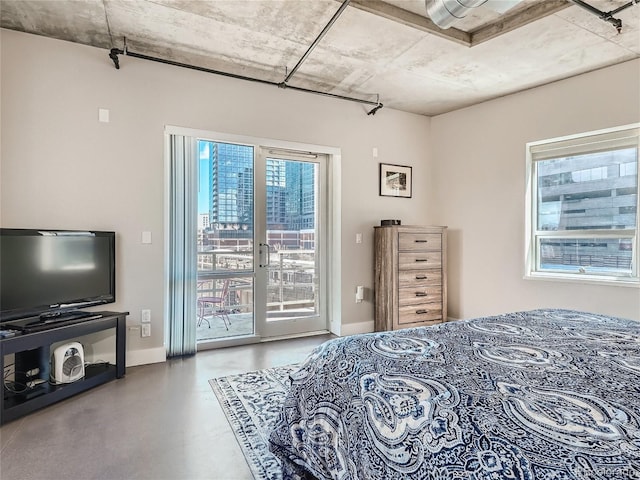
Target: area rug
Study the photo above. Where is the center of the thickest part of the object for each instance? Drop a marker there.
(251, 401)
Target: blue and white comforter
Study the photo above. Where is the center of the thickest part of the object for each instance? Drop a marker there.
(547, 394)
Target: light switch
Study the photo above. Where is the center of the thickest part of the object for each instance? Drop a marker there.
(103, 115)
(375, 152)
(146, 237)
(358, 238)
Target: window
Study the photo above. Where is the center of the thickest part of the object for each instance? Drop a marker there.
(582, 207)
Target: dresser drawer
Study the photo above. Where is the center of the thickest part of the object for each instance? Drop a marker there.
(419, 295)
(418, 260)
(420, 277)
(419, 241)
(419, 313)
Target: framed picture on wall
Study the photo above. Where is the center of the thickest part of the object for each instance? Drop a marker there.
(395, 180)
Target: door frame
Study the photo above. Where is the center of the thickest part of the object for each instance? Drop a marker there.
(332, 222)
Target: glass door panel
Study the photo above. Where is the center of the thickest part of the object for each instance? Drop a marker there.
(293, 276)
(225, 278)
(276, 288)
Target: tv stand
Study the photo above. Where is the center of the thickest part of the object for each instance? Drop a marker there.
(32, 350)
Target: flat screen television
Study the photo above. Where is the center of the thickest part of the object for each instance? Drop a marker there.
(48, 273)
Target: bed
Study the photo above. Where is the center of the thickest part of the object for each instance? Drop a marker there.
(545, 394)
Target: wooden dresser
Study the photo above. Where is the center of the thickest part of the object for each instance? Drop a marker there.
(410, 276)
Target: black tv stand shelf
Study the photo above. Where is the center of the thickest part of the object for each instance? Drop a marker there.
(32, 350)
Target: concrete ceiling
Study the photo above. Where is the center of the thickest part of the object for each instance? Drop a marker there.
(375, 48)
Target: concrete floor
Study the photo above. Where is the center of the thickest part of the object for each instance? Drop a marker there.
(160, 421)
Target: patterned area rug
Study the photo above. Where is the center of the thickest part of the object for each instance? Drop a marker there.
(252, 401)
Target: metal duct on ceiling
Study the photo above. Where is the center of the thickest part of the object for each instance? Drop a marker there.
(444, 13)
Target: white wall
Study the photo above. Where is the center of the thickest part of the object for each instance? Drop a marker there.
(479, 180)
(61, 168)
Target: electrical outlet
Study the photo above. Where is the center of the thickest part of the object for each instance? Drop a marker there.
(145, 316)
(146, 330)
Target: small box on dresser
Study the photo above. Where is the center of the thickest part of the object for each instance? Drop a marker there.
(410, 276)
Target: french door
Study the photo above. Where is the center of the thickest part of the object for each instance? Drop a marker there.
(260, 242)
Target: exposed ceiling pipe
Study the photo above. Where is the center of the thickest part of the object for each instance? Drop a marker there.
(313, 45)
(114, 52)
(317, 40)
(607, 16)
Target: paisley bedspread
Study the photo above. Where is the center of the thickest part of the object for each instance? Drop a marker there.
(546, 394)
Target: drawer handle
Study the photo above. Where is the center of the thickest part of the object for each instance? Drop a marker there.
(421, 294)
(421, 277)
(422, 241)
(421, 259)
(422, 311)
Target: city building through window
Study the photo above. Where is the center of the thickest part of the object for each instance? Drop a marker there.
(250, 198)
(583, 207)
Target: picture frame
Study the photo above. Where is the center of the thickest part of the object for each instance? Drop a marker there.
(395, 180)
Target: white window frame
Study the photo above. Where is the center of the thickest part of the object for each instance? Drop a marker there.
(583, 143)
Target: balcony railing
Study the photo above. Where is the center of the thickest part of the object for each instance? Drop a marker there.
(292, 279)
(609, 262)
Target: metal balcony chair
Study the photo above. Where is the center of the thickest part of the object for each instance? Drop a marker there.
(214, 306)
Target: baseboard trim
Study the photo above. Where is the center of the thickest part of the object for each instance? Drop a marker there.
(144, 357)
(356, 328)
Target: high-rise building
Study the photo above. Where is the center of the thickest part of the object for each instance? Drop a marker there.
(231, 187)
(290, 203)
(300, 191)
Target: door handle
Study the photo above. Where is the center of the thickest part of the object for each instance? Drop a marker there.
(261, 252)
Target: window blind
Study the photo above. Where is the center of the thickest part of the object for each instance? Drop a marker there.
(578, 145)
(181, 264)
